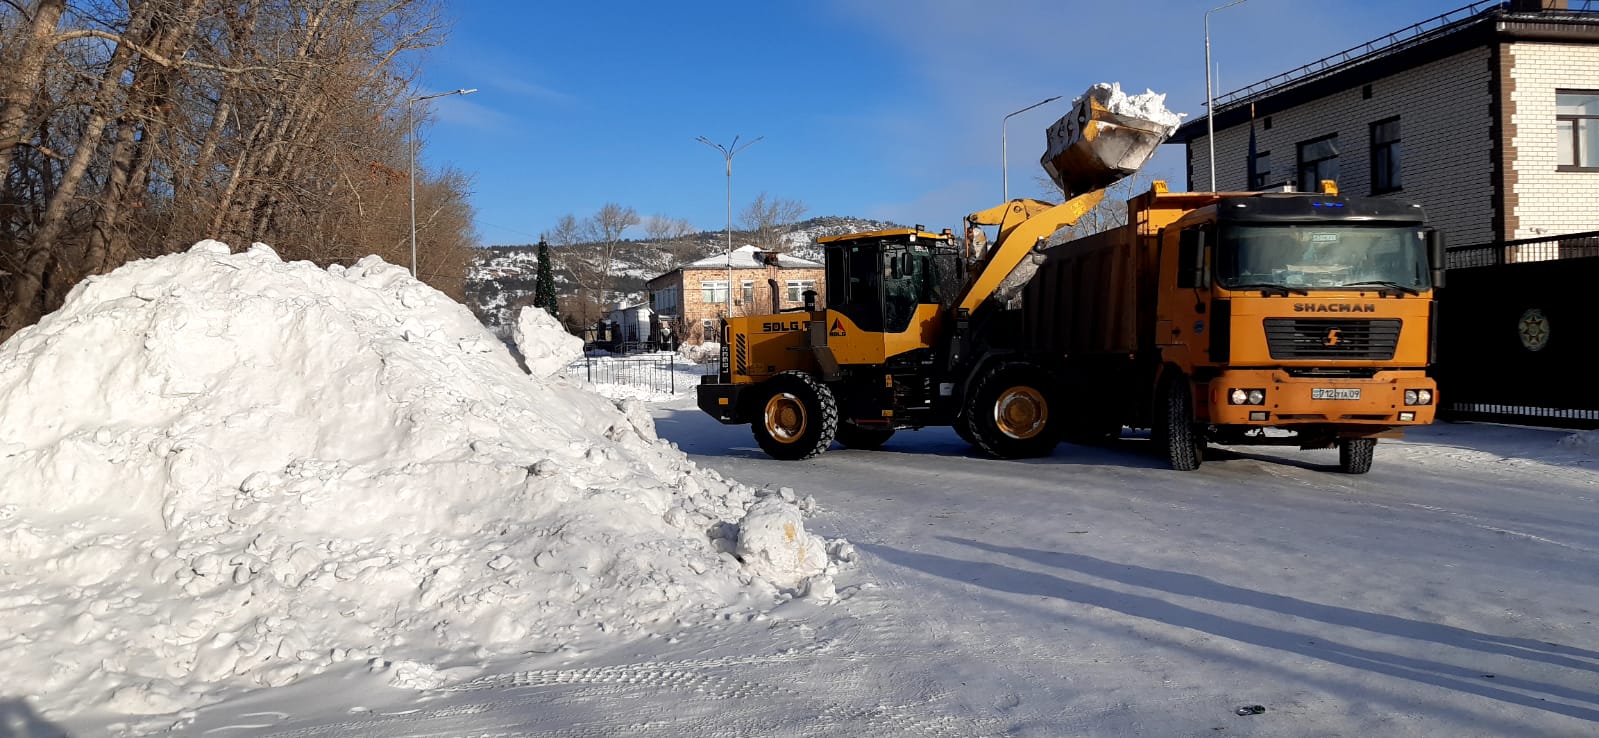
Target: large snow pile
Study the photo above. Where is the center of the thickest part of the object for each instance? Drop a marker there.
(222, 469)
(1149, 106)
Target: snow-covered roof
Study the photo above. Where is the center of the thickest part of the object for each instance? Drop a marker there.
(750, 257)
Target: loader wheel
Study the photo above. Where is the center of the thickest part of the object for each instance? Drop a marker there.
(1009, 417)
(963, 429)
(1354, 454)
(1174, 428)
(797, 419)
(861, 437)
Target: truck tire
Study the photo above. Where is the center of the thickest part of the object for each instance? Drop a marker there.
(963, 429)
(1355, 454)
(796, 418)
(861, 437)
(1174, 432)
(1009, 414)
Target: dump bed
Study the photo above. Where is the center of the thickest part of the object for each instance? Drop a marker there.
(1087, 295)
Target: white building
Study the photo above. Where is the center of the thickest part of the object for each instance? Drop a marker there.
(1488, 116)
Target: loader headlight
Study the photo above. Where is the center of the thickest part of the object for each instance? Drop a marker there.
(1246, 397)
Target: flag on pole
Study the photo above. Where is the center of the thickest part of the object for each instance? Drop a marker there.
(1250, 185)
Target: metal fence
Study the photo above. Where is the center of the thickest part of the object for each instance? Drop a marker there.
(1543, 248)
(661, 371)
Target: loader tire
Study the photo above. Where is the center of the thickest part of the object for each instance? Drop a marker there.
(796, 418)
(1174, 432)
(850, 435)
(1355, 454)
(1010, 413)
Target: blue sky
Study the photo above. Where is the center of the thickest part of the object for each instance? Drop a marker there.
(885, 109)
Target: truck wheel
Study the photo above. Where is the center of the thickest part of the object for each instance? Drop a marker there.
(1354, 454)
(861, 437)
(1174, 430)
(797, 419)
(1009, 417)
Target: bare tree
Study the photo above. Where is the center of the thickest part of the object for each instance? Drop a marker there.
(768, 219)
(672, 235)
(605, 229)
(1111, 212)
(132, 128)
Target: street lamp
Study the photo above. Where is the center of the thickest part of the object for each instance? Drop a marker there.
(1210, 103)
(728, 152)
(410, 127)
(1004, 163)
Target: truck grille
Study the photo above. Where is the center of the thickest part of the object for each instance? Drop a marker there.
(1296, 338)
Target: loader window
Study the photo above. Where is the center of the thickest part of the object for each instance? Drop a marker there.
(854, 276)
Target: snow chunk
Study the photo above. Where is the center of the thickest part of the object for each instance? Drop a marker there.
(773, 543)
(545, 345)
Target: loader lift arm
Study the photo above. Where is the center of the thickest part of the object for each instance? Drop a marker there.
(1022, 225)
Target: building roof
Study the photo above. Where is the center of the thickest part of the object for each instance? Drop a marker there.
(1436, 38)
(750, 257)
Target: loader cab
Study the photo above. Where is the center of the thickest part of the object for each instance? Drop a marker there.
(878, 279)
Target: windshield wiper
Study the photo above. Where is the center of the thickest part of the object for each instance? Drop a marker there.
(1407, 289)
(1275, 289)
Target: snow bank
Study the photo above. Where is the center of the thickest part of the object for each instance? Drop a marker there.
(1585, 442)
(226, 470)
(700, 353)
(545, 345)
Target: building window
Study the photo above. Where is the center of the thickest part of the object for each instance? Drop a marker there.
(666, 300)
(1385, 156)
(749, 293)
(713, 291)
(1577, 122)
(1262, 173)
(797, 288)
(1318, 160)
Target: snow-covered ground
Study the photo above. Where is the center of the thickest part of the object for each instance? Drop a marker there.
(1451, 592)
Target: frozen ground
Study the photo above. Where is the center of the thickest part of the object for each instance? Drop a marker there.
(1448, 593)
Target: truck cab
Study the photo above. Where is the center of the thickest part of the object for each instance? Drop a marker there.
(1306, 312)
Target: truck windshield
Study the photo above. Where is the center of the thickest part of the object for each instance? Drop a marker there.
(1310, 257)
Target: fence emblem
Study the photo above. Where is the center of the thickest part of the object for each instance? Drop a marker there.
(1534, 330)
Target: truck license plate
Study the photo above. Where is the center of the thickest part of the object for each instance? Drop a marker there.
(1334, 393)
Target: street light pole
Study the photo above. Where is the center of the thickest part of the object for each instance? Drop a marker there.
(728, 152)
(1210, 103)
(1004, 162)
(410, 127)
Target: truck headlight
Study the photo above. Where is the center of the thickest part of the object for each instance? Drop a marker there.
(1246, 397)
(1418, 397)
(1410, 397)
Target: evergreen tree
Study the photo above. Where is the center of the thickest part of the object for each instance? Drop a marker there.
(544, 289)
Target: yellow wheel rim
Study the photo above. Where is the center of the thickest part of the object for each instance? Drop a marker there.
(785, 418)
(1021, 413)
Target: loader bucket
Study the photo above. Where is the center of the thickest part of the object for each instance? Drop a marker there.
(1093, 146)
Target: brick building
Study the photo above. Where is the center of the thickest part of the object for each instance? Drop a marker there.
(1488, 116)
(689, 300)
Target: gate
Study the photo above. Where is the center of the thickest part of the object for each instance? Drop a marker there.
(1515, 329)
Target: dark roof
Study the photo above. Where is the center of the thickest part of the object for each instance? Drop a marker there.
(1473, 26)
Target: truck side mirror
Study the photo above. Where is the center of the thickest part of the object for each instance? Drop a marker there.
(1436, 257)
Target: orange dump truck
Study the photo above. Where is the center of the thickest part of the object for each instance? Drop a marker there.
(1302, 319)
